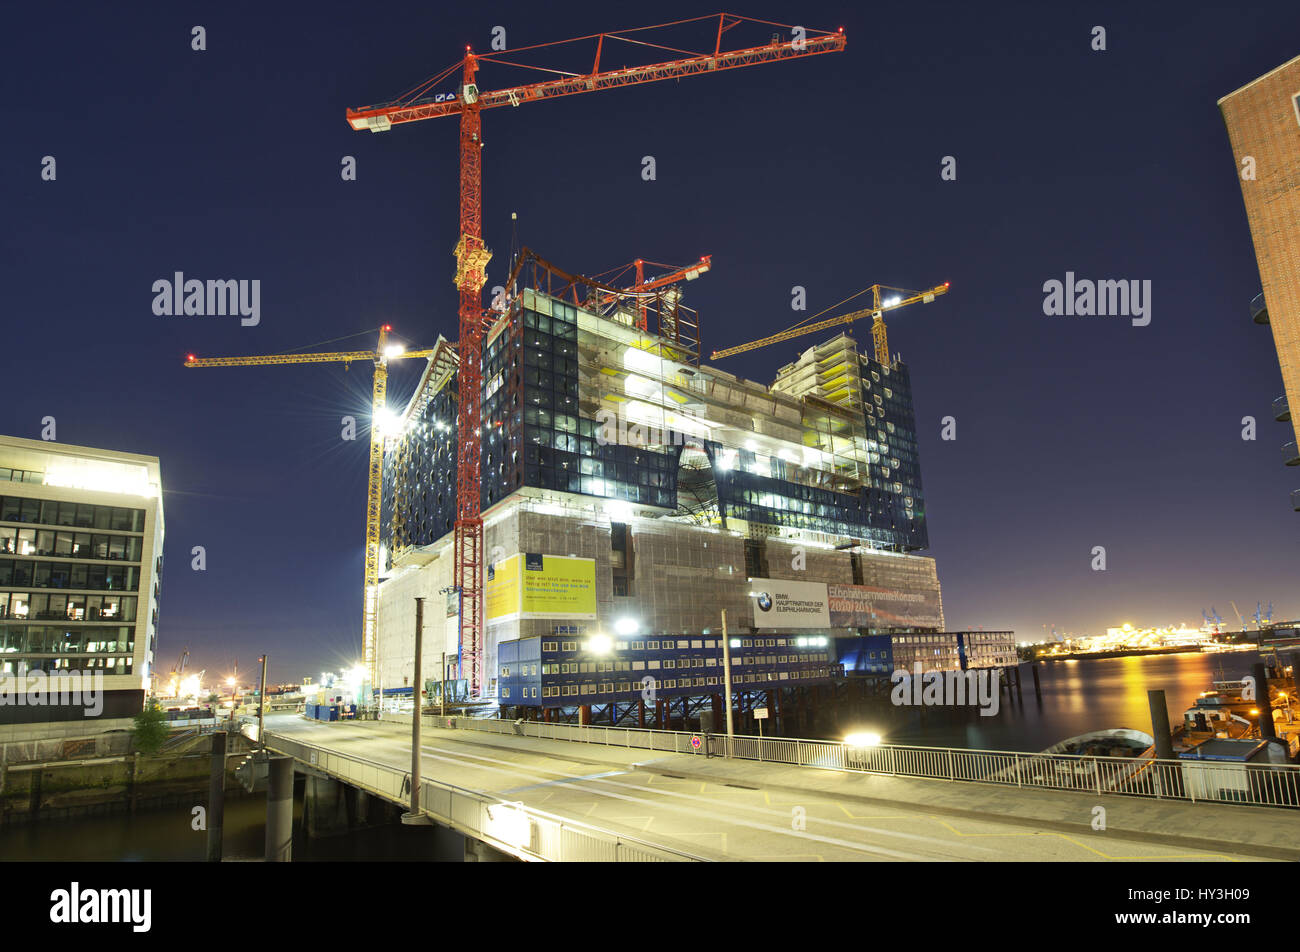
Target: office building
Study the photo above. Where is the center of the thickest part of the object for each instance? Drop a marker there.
(81, 534)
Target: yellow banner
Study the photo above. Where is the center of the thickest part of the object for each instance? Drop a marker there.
(558, 586)
(531, 585)
(503, 590)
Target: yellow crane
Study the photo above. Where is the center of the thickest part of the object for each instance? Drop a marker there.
(876, 312)
(384, 425)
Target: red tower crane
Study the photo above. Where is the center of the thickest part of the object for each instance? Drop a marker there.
(471, 254)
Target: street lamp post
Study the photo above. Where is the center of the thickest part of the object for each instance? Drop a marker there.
(261, 709)
(726, 677)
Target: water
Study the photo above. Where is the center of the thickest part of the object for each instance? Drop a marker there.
(167, 835)
(1077, 696)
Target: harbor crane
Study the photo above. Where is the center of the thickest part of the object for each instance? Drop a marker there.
(879, 305)
(383, 425)
(472, 255)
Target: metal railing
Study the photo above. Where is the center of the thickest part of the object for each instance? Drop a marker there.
(1253, 784)
(507, 826)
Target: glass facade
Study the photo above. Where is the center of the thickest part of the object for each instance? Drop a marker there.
(51, 571)
(847, 469)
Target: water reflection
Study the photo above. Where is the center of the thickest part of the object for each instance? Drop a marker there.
(1079, 696)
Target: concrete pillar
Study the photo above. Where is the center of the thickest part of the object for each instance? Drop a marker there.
(1160, 725)
(584, 714)
(1266, 729)
(325, 807)
(279, 811)
(1038, 690)
(640, 722)
(216, 796)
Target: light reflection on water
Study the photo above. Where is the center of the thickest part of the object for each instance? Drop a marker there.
(1080, 696)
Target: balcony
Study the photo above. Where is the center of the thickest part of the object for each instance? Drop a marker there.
(1259, 310)
(1281, 409)
(1290, 455)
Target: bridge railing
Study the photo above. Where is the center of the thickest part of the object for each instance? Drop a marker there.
(508, 826)
(1252, 784)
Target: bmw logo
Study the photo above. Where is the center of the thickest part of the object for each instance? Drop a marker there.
(765, 601)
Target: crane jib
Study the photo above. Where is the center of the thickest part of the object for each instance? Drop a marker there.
(446, 104)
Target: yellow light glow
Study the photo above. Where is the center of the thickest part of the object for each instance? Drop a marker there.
(863, 739)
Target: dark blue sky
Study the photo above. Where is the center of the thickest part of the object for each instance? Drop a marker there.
(1072, 432)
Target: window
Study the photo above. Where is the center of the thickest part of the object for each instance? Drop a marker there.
(570, 646)
(1295, 101)
(654, 646)
(548, 645)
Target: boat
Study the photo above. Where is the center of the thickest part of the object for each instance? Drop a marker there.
(1071, 763)
(1117, 742)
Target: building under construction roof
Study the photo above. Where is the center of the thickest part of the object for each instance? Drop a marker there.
(630, 495)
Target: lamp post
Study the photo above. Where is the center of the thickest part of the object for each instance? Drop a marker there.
(261, 709)
(231, 683)
(726, 677)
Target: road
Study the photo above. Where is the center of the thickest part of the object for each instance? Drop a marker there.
(637, 793)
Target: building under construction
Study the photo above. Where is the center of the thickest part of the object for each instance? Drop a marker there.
(631, 495)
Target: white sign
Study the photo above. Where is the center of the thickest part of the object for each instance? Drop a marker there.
(782, 604)
(760, 713)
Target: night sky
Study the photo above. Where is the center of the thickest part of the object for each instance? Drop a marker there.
(1072, 432)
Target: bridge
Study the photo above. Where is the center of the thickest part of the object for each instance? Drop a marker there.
(555, 792)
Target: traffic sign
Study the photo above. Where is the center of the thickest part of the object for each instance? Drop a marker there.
(696, 742)
(760, 713)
